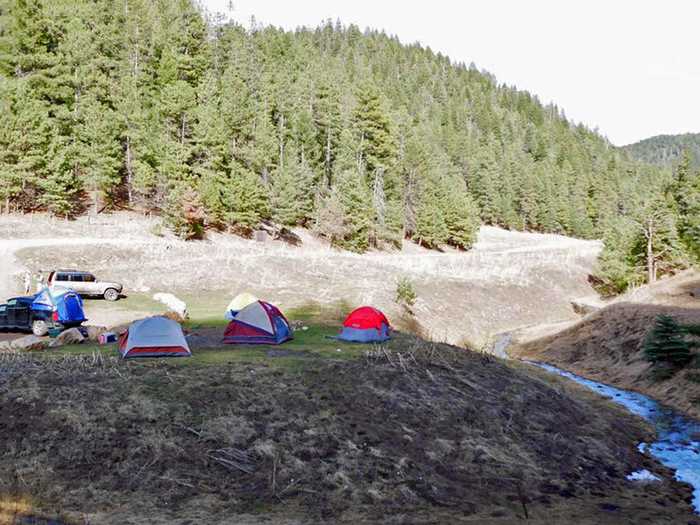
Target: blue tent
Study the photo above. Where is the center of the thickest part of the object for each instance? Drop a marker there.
(66, 305)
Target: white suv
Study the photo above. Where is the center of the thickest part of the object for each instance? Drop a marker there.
(85, 284)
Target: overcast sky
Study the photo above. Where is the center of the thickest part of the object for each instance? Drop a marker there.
(629, 67)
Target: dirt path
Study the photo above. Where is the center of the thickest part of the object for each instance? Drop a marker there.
(508, 280)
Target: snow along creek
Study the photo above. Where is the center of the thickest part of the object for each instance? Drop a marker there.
(678, 443)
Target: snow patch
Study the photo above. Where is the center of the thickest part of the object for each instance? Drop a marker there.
(172, 302)
(643, 475)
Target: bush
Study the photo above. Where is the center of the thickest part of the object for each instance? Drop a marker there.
(405, 293)
(667, 343)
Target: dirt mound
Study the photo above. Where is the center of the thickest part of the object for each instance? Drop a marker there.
(430, 434)
(607, 345)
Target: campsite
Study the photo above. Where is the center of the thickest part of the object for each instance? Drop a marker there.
(314, 429)
(330, 262)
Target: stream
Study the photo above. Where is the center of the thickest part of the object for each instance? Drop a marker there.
(678, 443)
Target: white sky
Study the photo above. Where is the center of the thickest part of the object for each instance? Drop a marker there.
(629, 67)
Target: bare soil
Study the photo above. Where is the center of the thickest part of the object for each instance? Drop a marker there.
(411, 433)
(607, 345)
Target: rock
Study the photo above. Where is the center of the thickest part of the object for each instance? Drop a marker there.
(94, 332)
(695, 293)
(71, 336)
(29, 342)
(5, 345)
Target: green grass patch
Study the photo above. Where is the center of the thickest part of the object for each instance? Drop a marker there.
(308, 345)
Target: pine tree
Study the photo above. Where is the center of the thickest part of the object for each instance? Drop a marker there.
(291, 198)
(686, 194)
(431, 228)
(184, 213)
(377, 148)
(461, 216)
(667, 343)
(356, 202)
(245, 200)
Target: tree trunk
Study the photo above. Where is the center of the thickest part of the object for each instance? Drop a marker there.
(651, 265)
(129, 169)
(328, 157)
(281, 132)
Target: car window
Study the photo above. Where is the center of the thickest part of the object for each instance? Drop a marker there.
(61, 277)
(89, 278)
(12, 302)
(76, 278)
(3, 308)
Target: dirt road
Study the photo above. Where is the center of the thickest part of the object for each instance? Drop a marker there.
(507, 281)
(11, 269)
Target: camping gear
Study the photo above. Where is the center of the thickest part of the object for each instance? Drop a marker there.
(238, 303)
(106, 338)
(154, 337)
(258, 323)
(365, 325)
(65, 304)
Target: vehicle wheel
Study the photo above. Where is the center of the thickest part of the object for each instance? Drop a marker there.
(40, 328)
(111, 294)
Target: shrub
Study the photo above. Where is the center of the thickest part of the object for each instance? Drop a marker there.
(405, 293)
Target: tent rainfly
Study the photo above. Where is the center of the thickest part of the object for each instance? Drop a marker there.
(258, 323)
(238, 303)
(154, 337)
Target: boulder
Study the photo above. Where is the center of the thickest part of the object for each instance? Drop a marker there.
(72, 336)
(29, 342)
(94, 332)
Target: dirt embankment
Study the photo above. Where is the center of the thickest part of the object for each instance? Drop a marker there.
(508, 280)
(607, 346)
(438, 435)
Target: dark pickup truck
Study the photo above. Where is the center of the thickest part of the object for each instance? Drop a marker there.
(40, 312)
(17, 315)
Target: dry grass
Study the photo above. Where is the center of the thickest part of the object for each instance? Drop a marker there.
(607, 345)
(418, 432)
(507, 281)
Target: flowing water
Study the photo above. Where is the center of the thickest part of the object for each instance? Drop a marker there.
(678, 437)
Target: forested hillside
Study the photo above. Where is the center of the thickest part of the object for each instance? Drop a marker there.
(148, 104)
(666, 150)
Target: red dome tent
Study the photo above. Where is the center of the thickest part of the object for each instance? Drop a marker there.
(365, 325)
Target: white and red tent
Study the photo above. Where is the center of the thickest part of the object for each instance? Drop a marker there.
(154, 337)
(258, 323)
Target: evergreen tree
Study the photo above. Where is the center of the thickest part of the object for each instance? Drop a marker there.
(686, 194)
(431, 228)
(377, 147)
(292, 196)
(245, 200)
(121, 102)
(461, 217)
(667, 343)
